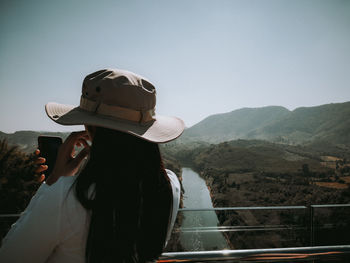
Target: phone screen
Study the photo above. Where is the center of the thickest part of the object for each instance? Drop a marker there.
(48, 146)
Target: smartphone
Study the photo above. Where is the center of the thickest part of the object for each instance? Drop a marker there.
(48, 146)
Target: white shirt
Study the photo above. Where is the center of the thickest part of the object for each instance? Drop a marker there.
(54, 227)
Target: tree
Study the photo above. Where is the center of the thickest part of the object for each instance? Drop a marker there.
(18, 182)
(305, 169)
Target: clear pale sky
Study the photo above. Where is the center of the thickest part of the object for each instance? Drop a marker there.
(204, 57)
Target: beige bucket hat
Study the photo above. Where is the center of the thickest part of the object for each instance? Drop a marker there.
(118, 100)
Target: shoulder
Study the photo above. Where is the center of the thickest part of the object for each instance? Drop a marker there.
(172, 176)
(65, 182)
(176, 191)
(64, 187)
(57, 190)
(51, 194)
(62, 184)
(174, 181)
(57, 194)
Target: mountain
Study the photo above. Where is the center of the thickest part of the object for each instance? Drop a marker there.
(235, 124)
(330, 122)
(325, 123)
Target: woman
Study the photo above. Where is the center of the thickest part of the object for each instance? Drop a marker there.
(122, 204)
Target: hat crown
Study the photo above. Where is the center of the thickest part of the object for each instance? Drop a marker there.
(120, 88)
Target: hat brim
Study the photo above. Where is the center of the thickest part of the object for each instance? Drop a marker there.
(162, 129)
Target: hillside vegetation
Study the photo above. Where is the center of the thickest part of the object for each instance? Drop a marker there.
(261, 173)
(18, 182)
(328, 122)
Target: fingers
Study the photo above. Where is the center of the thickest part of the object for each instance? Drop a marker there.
(80, 157)
(41, 178)
(87, 137)
(40, 160)
(41, 169)
(79, 143)
(67, 164)
(75, 135)
(82, 142)
(72, 140)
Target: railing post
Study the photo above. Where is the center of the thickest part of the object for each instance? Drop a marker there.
(312, 226)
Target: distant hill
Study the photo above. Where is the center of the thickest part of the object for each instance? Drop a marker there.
(325, 123)
(28, 140)
(235, 124)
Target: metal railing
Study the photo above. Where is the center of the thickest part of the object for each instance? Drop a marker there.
(309, 221)
(310, 225)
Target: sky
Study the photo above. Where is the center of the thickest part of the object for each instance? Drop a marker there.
(204, 57)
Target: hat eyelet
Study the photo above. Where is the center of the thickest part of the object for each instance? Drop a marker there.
(147, 86)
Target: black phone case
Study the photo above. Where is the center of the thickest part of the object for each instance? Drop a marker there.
(48, 146)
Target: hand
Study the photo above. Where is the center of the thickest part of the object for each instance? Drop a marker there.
(40, 161)
(67, 164)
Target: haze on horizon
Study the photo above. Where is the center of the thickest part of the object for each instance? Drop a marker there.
(204, 57)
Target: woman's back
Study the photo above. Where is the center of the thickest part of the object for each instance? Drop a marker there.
(132, 199)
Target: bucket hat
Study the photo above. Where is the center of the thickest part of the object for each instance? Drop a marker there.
(119, 100)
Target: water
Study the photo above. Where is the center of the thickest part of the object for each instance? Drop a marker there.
(199, 228)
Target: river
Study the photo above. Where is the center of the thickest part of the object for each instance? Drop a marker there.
(199, 228)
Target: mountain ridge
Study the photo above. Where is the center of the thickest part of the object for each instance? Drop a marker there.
(328, 122)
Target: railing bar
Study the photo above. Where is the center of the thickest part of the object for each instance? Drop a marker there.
(238, 230)
(241, 253)
(9, 215)
(256, 226)
(244, 208)
(330, 206)
(243, 227)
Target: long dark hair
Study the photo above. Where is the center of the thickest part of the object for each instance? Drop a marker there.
(131, 200)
